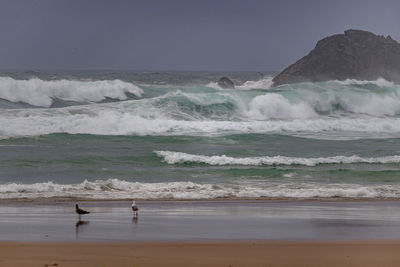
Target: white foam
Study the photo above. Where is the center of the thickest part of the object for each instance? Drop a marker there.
(118, 189)
(41, 93)
(213, 85)
(306, 100)
(112, 119)
(275, 106)
(264, 83)
(332, 112)
(379, 82)
(172, 157)
(350, 96)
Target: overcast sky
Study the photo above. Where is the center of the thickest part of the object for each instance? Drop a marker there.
(178, 34)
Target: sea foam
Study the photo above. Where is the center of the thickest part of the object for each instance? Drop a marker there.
(172, 157)
(119, 189)
(37, 92)
(378, 82)
(114, 121)
(337, 110)
(275, 106)
(264, 83)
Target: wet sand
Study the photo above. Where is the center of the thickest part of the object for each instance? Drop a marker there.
(201, 233)
(273, 253)
(201, 221)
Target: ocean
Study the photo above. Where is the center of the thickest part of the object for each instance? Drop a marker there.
(176, 135)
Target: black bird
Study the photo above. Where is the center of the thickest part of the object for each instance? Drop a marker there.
(134, 208)
(80, 211)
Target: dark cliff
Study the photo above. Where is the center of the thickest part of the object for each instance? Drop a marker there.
(355, 54)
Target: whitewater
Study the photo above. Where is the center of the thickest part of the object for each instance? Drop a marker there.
(120, 190)
(113, 107)
(41, 93)
(177, 135)
(172, 157)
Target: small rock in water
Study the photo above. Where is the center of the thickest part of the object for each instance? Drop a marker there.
(226, 83)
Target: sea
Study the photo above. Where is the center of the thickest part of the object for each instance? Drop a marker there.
(116, 135)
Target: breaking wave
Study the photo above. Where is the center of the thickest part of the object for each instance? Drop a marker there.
(115, 122)
(348, 109)
(265, 83)
(118, 189)
(42, 93)
(172, 157)
(379, 82)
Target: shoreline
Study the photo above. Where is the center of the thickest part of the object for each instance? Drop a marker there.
(244, 253)
(56, 200)
(200, 221)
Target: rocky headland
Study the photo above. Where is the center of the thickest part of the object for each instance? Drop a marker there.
(355, 54)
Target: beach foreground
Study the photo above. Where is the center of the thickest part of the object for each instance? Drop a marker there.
(194, 221)
(201, 233)
(245, 253)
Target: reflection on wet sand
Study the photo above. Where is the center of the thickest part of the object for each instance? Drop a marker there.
(78, 225)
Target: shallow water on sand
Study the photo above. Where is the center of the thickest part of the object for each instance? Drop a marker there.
(196, 221)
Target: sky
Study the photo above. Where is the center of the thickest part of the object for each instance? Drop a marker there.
(181, 35)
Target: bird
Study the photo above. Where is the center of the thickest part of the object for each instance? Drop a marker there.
(134, 208)
(80, 211)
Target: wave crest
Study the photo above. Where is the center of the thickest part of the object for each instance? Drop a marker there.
(326, 110)
(37, 92)
(119, 189)
(109, 121)
(172, 157)
(275, 106)
(264, 83)
(379, 82)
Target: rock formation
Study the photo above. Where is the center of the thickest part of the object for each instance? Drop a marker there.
(225, 83)
(355, 54)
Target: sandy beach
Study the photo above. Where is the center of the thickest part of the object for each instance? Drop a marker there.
(246, 253)
(186, 221)
(201, 233)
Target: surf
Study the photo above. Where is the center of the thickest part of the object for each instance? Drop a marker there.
(172, 157)
(113, 189)
(327, 110)
(42, 93)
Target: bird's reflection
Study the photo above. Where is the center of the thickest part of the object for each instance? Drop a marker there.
(135, 220)
(80, 223)
(78, 227)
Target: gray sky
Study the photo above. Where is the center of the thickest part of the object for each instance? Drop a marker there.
(178, 34)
